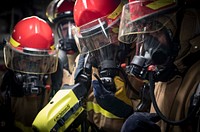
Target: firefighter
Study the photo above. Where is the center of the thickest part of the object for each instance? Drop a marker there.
(166, 35)
(31, 57)
(60, 15)
(111, 97)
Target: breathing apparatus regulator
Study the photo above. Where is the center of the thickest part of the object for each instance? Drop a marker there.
(31, 84)
(152, 30)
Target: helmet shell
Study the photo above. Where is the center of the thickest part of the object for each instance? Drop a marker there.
(89, 10)
(32, 32)
(65, 6)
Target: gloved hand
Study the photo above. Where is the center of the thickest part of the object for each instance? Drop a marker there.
(116, 103)
(141, 122)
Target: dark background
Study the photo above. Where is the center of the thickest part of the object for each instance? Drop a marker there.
(15, 10)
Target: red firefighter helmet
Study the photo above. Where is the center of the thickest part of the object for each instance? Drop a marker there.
(31, 48)
(32, 32)
(89, 10)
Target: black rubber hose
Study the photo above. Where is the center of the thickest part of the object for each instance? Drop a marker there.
(164, 118)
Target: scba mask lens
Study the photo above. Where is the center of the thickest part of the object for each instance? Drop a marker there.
(66, 38)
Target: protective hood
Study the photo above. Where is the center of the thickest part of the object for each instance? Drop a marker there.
(189, 39)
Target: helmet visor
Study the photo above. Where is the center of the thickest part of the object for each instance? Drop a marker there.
(137, 18)
(97, 34)
(64, 28)
(50, 11)
(30, 61)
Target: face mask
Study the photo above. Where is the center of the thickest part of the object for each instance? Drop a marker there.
(154, 48)
(66, 39)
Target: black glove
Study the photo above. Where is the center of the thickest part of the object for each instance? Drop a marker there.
(141, 122)
(80, 66)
